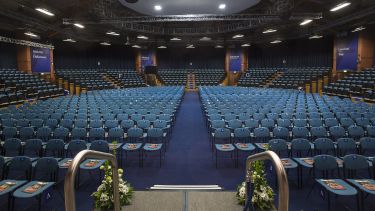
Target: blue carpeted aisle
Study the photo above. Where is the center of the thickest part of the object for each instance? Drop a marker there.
(188, 159)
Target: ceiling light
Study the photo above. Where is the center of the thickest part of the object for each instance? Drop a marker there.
(136, 46)
(105, 43)
(340, 6)
(79, 25)
(276, 41)
(205, 39)
(142, 37)
(162, 47)
(269, 31)
(315, 37)
(245, 45)
(175, 39)
(305, 22)
(69, 40)
(113, 33)
(238, 36)
(44, 11)
(190, 46)
(158, 7)
(222, 6)
(219, 46)
(358, 29)
(30, 34)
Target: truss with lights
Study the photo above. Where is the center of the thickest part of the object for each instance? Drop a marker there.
(25, 42)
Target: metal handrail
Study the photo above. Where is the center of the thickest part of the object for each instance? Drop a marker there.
(282, 179)
(70, 202)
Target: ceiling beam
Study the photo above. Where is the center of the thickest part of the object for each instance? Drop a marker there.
(191, 18)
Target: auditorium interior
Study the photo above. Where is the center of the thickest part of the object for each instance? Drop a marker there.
(193, 105)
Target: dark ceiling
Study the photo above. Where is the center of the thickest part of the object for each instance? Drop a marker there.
(101, 16)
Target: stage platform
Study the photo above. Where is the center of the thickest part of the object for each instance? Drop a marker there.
(184, 200)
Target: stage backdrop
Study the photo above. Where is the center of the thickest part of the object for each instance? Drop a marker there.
(147, 58)
(235, 60)
(347, 52)
(40, 60)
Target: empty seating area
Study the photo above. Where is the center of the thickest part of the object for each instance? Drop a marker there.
(126, 78)
(106, 115)
(355, 84)
(252, 115)
(256, 77)
(90, 79)
(173, 77)
(293, 78)
(18, 86)
(209, 77)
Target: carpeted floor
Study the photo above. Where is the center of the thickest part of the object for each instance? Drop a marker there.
(188, 161)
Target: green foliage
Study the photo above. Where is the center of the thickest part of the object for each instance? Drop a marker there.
(263, 196)
(104, 196)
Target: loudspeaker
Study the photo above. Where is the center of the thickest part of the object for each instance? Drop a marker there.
(151, 70)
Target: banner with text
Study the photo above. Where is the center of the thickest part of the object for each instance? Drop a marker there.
(235, 60)
(40, 60)
(147, 59)
(347, 52)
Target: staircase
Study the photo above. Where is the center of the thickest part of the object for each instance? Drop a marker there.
(109, 79)
(274, 77)
(191, 85)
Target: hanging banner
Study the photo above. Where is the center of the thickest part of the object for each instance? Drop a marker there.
(347, 52)
(235, 56)
(40, 60)
(147, 59)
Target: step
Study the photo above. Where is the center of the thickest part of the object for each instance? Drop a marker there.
(186, 187)
(184, 200)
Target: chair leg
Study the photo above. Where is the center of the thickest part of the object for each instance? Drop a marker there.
(329, 200)
(39, 202)
(216, 158)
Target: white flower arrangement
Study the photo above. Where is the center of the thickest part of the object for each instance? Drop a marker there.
(263, 195)
(103, 197)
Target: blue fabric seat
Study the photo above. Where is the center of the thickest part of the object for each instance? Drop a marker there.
(337, 132)
(300, 147)
(9, 132)
(300, 132)
(12, 147)
(43, 133)
(281, 133)
(96, 134)
(356, 132)
(26, 133)
(74, 147)
(55, 148)
(116, 134)
(261, 134)
(346, 146)
(367, 144)
(33, 148)
(100, 145)
(324, 146)
(44, 166)
(61, 133)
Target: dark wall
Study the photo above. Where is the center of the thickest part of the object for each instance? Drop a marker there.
(295, 53)
(70, 55)
(8, 55)
(200, 57)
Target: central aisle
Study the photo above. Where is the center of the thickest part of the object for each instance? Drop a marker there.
(188, 159)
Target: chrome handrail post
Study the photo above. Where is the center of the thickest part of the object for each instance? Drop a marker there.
(282, 179)
(69, 193)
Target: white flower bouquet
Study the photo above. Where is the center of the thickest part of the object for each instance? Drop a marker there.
(104, 195)
(263, 195)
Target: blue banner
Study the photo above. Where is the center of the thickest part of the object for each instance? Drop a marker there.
(235, 60)
(147, 59)
(40, 60)
(347, 52)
